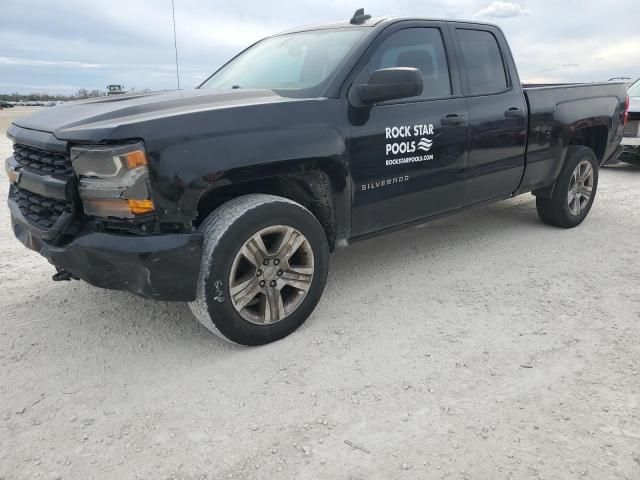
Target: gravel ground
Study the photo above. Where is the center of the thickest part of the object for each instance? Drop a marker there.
(483, 346)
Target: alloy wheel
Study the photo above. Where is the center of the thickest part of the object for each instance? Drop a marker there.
(271, 275)
(580, 188)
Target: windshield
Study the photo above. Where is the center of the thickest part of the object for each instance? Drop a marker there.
(634, 90)
(298, 61)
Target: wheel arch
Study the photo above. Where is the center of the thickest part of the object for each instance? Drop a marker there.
(593, 136)
(317, 190)
(583, 134)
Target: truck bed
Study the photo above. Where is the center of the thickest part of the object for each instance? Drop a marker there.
(556, 111)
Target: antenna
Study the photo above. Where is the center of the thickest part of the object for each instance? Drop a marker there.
(359, 17)
(175, 41)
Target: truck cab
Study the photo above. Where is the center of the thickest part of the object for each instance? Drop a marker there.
(463, 137)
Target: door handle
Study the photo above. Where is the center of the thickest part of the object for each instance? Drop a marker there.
(453, 120)
(513, 112)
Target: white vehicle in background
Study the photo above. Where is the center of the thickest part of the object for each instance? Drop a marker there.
(627, 80)
(631, 138)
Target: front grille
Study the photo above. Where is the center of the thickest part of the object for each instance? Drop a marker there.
(42, 162)
(632, 129)
(42, 212)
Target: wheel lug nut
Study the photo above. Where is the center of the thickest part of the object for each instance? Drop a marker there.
(262, 283)
(273, 283)
(266, 261)
(258, 273)
(279, 273)
(276, 262)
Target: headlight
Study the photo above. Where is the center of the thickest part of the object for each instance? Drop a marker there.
(113, 180)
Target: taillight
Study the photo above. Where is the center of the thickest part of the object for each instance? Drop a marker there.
(625, 118)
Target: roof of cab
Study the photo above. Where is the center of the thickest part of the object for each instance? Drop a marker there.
(373, 22)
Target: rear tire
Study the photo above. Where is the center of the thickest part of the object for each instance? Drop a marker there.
(264, 266)
(574, 191)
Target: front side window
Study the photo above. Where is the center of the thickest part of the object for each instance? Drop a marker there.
(297, 61)
(482, 61)
(420, 48)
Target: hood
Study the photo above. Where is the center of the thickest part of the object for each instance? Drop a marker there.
(106, 113)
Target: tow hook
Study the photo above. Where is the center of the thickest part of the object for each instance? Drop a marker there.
(62, 275)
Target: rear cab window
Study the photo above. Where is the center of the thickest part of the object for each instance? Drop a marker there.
(483, 62)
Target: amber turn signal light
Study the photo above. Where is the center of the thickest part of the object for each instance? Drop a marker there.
(117, 207)
(136, 159)
(138, 207)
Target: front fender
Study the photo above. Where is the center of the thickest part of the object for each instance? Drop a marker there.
(256, 144)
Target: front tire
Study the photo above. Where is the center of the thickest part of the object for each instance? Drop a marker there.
(264, 267)
(574, 191)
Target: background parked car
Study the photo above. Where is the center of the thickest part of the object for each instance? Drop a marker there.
(627, 80)
(631, 139)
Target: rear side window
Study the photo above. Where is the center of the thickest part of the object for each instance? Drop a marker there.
(420, 48)
(482, 61)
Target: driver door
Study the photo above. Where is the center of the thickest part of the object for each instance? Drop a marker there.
(408, 157)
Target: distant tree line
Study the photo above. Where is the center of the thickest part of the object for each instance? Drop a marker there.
(81, 94)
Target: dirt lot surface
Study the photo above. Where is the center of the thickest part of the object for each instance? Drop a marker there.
(482, 346)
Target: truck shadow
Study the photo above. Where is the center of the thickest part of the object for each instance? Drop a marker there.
(442, 236)
(624, 167)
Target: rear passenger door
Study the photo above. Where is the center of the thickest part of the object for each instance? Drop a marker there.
(408, 157)
(497, 112)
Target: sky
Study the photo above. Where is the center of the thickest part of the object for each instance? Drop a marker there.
(62, 46)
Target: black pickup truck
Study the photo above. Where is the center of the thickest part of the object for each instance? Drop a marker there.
(231, 196)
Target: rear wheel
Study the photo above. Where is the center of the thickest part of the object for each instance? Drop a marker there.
(574, 191)
(263, 270)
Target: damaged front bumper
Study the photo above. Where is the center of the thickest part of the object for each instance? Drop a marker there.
(160, 267)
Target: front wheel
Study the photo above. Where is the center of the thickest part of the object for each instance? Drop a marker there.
(263, 270)
(574, 192)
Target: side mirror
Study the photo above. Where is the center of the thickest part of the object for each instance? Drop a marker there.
(387, 84)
